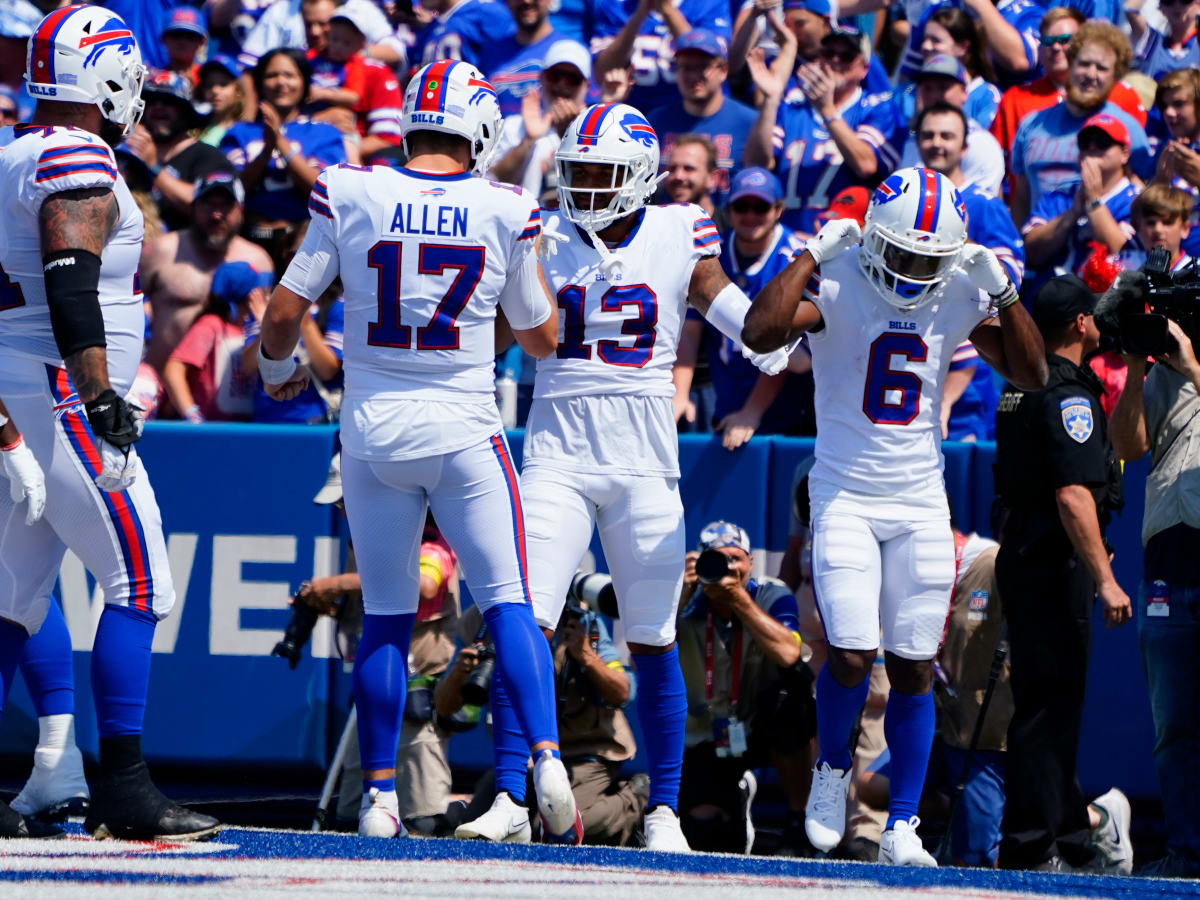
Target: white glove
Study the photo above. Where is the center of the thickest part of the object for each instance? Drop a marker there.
(25, 479)
(984, 269)
(768, 363)
(119, 468)
(551, 237)
(833, 238)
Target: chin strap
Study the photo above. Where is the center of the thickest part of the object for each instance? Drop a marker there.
(610, 264)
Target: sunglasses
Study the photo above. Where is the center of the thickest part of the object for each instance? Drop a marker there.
(1049, 40)
(8, 111)
(1173, 2)
(557, 76)
(843, 56)
(1097, 142)
(742, 207)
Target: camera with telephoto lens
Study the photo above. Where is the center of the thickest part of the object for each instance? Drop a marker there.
(478, 685)
(298, 631)
(596, 590)
(712, 566)
(1169, 295)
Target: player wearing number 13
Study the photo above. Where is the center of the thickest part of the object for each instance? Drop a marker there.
(426, 254)
(600, 444)
(883, 320)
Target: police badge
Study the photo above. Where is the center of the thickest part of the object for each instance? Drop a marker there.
(1077, 419)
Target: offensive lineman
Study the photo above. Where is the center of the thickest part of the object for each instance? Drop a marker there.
(425, 254)
(882, 320)
(70, 342)
(600, 443)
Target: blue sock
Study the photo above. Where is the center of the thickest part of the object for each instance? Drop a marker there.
(523, 658)
(380, 688)
(380, 784)
(908, 724)
(12, 643)
(48, 667)
(662, 712)
(121, 669)
(510, 749)
(837, 711)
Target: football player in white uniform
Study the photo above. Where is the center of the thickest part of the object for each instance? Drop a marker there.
(71, 325)
(883, 319)
(600, 443)
(426, 254)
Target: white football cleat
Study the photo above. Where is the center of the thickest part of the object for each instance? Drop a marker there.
(505, 821)
(1114, 851)
(825, 815)
(900, 845)
(561, 822)
(663, 832)
(379, 815)
(57, 780)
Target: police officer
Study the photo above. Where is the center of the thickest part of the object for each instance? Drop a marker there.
(1058, 481)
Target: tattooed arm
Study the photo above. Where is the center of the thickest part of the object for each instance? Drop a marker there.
(80, 219)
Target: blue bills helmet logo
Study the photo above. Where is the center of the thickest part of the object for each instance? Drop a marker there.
(892, 187)
(112, 33)
(1077, 419)
(639, 129)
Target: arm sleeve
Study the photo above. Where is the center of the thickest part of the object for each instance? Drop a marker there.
(706, 240)
(1050, 206)
(71, 162)
(965, 357)
(523, 298)
(780, 604)
(878, 130)
(315, 264)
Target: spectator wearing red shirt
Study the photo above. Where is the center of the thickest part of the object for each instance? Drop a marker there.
(203, 377)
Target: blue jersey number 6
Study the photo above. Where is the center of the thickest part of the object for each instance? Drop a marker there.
(893, 396)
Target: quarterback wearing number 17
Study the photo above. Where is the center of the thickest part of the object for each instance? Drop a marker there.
(884, 309)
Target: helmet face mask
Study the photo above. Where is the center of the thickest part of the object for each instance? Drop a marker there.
(452, 97)
(607, 165)
(914, 234)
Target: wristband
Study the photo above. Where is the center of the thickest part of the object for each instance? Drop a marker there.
(155, 170)
(275, 371)
(14, 445)
(1005, 298)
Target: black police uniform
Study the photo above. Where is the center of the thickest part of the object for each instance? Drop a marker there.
(1046, 440)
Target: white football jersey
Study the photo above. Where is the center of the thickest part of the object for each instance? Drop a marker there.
(42, 161)
(619, 336)
(879, 374)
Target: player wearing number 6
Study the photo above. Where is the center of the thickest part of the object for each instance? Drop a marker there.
(600, 443)
(883, 316)
(426, 254)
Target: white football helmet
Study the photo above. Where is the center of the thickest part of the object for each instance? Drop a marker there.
(86, 54)
(612, 134)
(914, 232)
(454, 98)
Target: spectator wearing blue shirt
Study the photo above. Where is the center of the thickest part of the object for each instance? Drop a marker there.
(1155, 53)
(513, 64)
(641, 33)
(701, 69)
(463, 29)
(951, 32)
(756, 250)
(1178, 162)
(1066, 221)
(573, 19)
(281, 155)
(1045, 151)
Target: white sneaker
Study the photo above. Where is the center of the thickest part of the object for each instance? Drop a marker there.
(747, 788)
(900, 845)
(505, 821)
(825, 815)
(1114, 852)
(561, 822)
(379, 815)
(56, 780)
(662, 830)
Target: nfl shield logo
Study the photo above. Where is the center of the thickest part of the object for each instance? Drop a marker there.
(1077, 418)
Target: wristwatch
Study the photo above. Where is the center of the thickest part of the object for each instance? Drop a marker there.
(1094, 204)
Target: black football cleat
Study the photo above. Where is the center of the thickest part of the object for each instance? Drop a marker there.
(15, 825)
(129, 807)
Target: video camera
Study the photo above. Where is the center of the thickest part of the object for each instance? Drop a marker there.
(1121, 314)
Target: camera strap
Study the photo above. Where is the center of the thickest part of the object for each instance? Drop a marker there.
(708, 662)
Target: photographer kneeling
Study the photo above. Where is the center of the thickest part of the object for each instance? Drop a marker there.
(750, 701)
(1161, 415)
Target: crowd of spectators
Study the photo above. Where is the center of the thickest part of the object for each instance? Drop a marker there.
(1071, 129)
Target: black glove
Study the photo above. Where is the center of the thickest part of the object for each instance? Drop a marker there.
(1127, 295)
(112, 419)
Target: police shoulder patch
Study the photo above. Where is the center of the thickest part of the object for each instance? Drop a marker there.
(1077, 418)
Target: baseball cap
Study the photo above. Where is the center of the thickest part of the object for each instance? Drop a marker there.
(353, 15)
(1110, 125)
(331, 491)
(233, 282)
(184, 18)
(723, 534)
(170, 84)
(755, 182)
(703, 41)
(220, 180)
(819, 7)
(850, 35)
(228, 63)
(569, 53)
(944, 66)
(850, 203)
(1061, 299)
